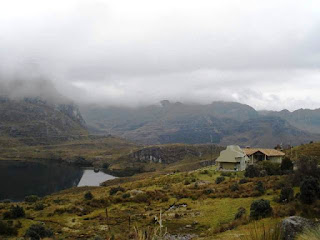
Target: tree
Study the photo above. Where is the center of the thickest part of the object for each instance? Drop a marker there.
(309, 190)
(252, 171)
(286, 165)
(260, 209)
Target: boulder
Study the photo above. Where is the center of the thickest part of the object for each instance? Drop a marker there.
(294, 225)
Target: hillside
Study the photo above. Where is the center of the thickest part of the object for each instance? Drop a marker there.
(192, 205)
(267, 132)
(311, 150)
(220, 122)
(305, 119)
(33, 121)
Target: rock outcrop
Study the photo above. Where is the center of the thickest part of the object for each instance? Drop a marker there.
(294, 225)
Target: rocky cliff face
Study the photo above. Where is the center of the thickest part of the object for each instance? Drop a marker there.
(34, 121)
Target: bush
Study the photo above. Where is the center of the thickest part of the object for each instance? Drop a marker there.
(243, 181)
(252, 171)
(260, 209)
(309, 190)
(306, 166)
(226, 174)
(37, 232)
(286, 165)
(260, 188)
(187, 182)
(105, 165)
(114, 190)
(14, 212)
(286, 194)
(126, 195)
(7, 229)
(219, 180)
(31, 198)
(241, 212)
(208, 191)
(39, 207)
(234, 187)
(88, 196)
(271, 168)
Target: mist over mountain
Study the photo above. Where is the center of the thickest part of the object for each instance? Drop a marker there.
(33, 112)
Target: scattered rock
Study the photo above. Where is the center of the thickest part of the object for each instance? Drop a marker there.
(135, 192)
(294, 225)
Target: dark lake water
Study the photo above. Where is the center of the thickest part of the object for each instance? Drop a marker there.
(20, 179)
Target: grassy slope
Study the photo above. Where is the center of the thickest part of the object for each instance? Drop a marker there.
(71, 216)
(311, 149)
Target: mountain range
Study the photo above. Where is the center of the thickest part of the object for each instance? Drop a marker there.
(221, 123)
(35, 121)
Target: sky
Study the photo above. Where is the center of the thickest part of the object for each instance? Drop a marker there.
(123, 52)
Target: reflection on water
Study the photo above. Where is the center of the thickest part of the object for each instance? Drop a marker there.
(91, 178)
(18, 179)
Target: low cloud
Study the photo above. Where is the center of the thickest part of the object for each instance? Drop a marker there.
(265, 54)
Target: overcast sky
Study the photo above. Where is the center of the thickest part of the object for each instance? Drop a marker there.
(262, 53)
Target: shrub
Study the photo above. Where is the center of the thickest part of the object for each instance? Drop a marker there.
(271, 168)
(226, 174)
(7, 229)
(31, 198)
(259, 187)
(219, 180)
(286, 194)
(234, 187)
(243, 181)
(286, 165)
(114, 190)
(309, 190)
(105, 165)
(260, 209)
(39, 207)
(306, 166)
(142, 197)
(208, 191)
(38, 231)
(187, 182)
(241, 212)
(126, 195)
(14, 212)
(252, 171)
(88, 195)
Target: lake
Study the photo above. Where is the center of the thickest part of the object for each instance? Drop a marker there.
(20, 179)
